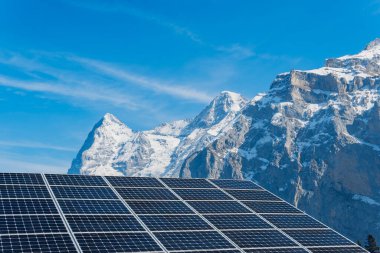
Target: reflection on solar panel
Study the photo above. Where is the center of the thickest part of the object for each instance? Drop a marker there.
(73, 213)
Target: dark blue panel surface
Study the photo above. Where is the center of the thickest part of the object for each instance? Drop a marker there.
(237, 221)
(271, 207)
(77, 192)
(193, 240)
(187, 183)
(103, 223)
(218, 207)
(24, 191)
(117, 242)
(235, 184)
(292, 221)
(21, 178)
(259, 238)
(338, 250)
(253, 195)
(92, 207)
(27, 206)
(22, 224)
(174, 222)
(134, 181)
(159, 207)
(318, 237)
(79, 180)
(202, 194)
(146, 193)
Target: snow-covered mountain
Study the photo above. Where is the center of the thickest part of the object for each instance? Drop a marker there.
(313, 138)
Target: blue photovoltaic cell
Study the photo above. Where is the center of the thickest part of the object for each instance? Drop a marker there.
(202, 194)
(187, 183)
(24, 191)
(293, 221)
(146, 193)
(21, 178)
(22, 224)
(318, 237)
(80, 180)
(235, 184)
(174, 222)
(271, 207)
(92, 207)
(259, 238)
(103, 223)
(237, 221)
(27, 206)
(338, 250)
(218, 207)
(209, 251)
(44, 243)
(193, 240)
(159, 207)
(77, 192)
(117, 242)
(278, 250)
(134, 181)
(253, 195)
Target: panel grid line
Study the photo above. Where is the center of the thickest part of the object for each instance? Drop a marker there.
(73, 238)
(276, 228)
(135, 215)
(202, 217)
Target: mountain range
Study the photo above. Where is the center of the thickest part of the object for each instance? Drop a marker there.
(313, 139)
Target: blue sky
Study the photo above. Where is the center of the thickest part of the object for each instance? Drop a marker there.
(65, 63)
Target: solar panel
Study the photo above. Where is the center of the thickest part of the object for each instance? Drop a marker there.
(187, 183)
(21, 178)
(117, 242)
(218, 207)
(123, 214)
(259, 238)
(271, 207)
(77, 192)
(159, 207)
(237, 221)
(92, 207)
(193, 240)
(54, 179)
(27, 206)
(202, 194)
(235, 184)
(23, 224)
(134, 181)
(338, 250)
(318, 237)
(37, 243)
(24, 191)
(146, 193)
(293, 221)
(253, 195)
(174, 222)
(103, 223)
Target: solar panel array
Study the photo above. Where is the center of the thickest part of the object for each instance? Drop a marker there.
(73, 213)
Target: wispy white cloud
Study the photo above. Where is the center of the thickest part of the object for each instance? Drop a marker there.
(34, 145)
(145, 82)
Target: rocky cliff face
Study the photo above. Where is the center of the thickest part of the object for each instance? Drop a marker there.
(313, 139)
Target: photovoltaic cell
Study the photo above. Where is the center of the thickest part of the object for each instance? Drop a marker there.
(237, 221)
(103, 223)
(146, 193)
(317, 237)
(21, 178)
(24, 191)
(253, 195)
(27, 206)
(159, 207)
(259, 238)
(218, 207)
(77, 192)
(80, 180)
(338, 250)
(22, 224)
(293, 221)
(271, 207)
(278, 250)
(235, 184)
(92, 207)
(134, 181)
(117, 242)
(174, 222)
(209, 251)
(187, 183)
(202, 194)
(37, 243)
(193, 240)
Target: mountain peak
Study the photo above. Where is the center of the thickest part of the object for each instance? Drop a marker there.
(231, 101)
(109, 118)
(375, 44)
